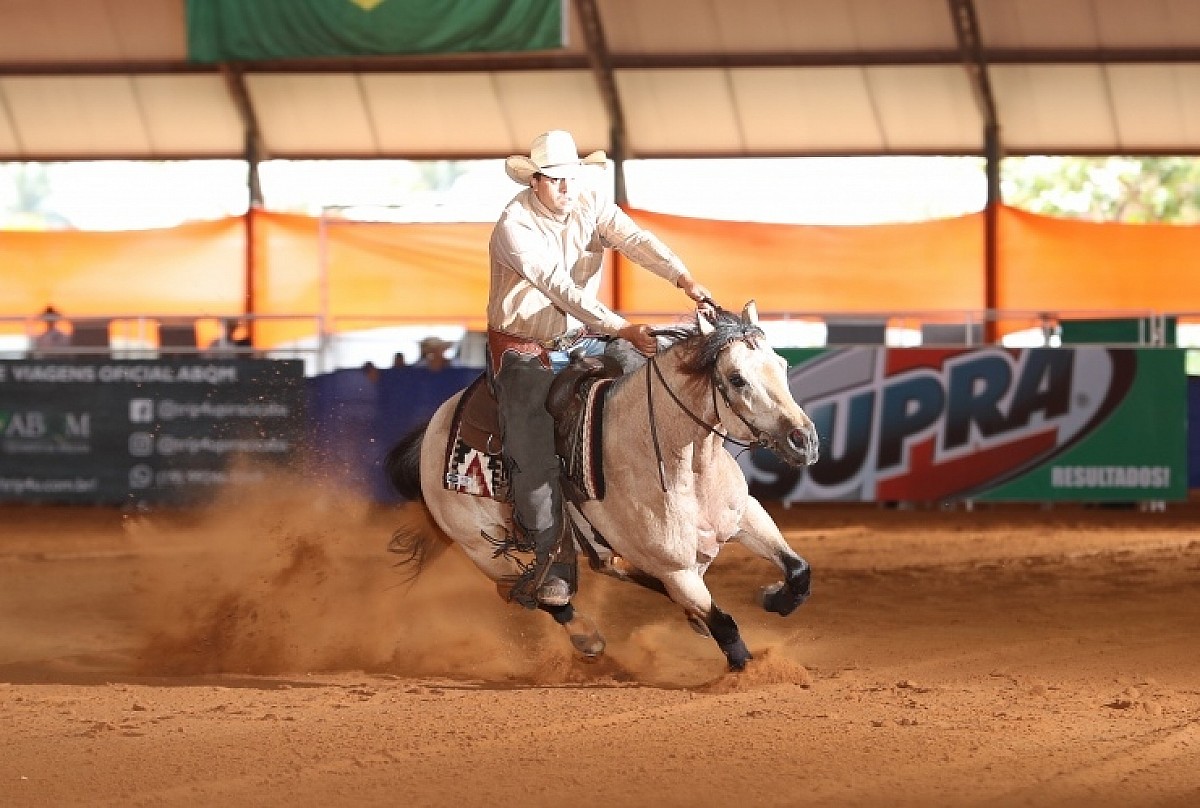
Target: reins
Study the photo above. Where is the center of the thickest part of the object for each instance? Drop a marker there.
(711, 429)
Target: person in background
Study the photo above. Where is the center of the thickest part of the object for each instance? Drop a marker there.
(546, 251)
(399, 361)
(370, 371)
(52, 336)
(433, 354)
(229, 345)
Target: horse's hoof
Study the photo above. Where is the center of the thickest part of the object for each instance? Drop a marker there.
(779, 599)
(737, 662)
(766, 594)
(589, 645)
(585, 638)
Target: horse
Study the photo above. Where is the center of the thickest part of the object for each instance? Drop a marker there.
(663, 519)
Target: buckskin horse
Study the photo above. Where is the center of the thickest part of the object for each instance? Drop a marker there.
(659, 516)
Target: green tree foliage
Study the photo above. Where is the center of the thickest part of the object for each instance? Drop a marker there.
(1115, 189)
(439, 175)
(27, 197)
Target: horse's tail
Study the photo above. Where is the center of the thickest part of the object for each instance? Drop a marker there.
(403, 464)
(419, 540)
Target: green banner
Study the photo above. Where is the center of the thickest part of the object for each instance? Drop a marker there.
(1083, 424)
(245, 30)
(1138, 452)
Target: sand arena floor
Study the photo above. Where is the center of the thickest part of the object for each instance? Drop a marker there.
(265, 653)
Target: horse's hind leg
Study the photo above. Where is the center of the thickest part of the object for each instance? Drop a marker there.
(580, 630)
(760, 535)
(688, 589)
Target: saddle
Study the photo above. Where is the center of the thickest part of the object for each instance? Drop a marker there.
(475, 452)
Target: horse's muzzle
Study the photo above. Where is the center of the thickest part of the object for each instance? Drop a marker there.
(803, 441)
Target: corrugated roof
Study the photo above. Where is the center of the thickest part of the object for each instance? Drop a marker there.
(110, 78)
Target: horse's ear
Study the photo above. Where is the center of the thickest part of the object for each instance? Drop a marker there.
(706, 320)
(750, 314)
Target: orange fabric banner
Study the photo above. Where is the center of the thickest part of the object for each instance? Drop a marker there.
(1063, 264)
(366, 275)
(190, 270)
(804, 268)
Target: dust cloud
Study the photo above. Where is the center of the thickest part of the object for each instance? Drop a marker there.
(294, 577)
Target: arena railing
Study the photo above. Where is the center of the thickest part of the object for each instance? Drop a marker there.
(329, 343)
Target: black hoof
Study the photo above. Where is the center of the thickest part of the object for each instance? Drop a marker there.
(737, 665)
(780, 599)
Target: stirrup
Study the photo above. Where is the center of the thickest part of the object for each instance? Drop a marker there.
(527, 589)
(546, 583)
(554, 592)
(523, 592)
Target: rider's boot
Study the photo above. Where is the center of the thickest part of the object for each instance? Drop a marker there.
(552, 579)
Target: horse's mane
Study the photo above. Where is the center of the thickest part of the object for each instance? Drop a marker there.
(702, 350)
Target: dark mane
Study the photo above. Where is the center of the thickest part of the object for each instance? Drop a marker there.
(702, 350)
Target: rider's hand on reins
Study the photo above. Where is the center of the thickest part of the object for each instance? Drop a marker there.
(640, 336)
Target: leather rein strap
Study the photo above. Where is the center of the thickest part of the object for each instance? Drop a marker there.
(712, 429)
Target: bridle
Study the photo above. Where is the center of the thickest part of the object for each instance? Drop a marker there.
(760, 437)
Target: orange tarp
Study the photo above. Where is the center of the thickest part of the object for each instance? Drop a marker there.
(188, 270)
(370, 274)
(375, 274)
(1062, 264)
(804, 268)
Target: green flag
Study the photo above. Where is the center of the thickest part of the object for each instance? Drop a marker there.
(237, 30)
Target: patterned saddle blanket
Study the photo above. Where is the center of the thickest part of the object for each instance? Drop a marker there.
(475, 453)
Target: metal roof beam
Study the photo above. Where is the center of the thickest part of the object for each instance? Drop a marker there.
(39, 156)
(627, 61)
(602, 69)
(255, 148)
(973, 58)
(970, 44)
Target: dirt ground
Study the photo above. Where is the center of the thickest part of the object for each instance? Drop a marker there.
(265, 652)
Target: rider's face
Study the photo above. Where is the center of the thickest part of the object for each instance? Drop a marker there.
(559, 196)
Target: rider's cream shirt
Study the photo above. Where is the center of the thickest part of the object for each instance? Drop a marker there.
(545, 269)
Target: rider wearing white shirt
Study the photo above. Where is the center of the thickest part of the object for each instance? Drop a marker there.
(546, 253)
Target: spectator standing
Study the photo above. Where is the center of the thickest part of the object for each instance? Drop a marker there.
(52, 337)
(433, 354)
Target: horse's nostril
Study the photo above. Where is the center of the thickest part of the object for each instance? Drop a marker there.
(798, 440)
(804, 441)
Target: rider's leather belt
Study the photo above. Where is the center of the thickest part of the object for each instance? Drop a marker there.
(500, 342)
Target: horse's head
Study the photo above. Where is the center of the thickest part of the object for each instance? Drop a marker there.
(751, 379)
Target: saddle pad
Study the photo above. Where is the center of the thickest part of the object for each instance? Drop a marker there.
(482, 473)
(471, 470)
(581, 447)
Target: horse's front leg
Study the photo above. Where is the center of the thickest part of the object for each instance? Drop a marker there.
(688, 589)
(760, 535)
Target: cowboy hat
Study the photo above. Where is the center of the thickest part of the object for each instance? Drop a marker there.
(554, 154)
(434, 344)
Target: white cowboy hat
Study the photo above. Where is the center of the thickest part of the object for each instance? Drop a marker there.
(434, 344)
(554, 154)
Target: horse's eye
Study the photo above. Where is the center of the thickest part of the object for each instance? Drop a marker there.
(736, 380)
